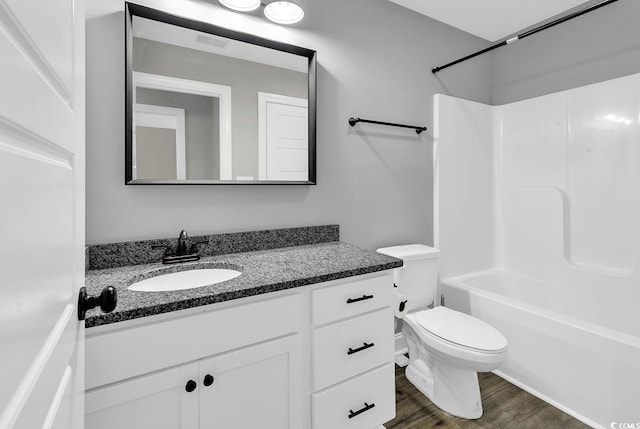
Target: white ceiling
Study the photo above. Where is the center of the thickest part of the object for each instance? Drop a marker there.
(490, 19)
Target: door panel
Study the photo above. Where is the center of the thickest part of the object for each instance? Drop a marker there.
(33, 302)
(42, 216)
(287, 142)
(54, 48)
(256, 387)
(158, 401)
(55, 375)
(283, 137)
(31, 98)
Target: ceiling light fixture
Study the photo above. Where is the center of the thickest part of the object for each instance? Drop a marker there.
(241, 5)
(284, 12)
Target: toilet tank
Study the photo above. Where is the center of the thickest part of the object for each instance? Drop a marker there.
(417, 279)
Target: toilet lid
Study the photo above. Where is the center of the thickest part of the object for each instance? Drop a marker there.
(461, 329)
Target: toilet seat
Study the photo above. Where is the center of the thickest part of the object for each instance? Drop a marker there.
(461, 329)
(485, 359)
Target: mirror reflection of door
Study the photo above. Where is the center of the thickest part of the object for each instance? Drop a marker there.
(283, 137)
(205, 137)
(159, 143)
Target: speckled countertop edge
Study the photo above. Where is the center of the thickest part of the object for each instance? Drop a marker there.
(262, 272)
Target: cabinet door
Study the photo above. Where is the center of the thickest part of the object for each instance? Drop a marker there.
(255, 387)
(159, 401)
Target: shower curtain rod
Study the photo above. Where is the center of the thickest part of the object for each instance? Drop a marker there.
(526, 34)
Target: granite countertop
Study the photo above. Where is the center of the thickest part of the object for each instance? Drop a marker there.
(262, 272)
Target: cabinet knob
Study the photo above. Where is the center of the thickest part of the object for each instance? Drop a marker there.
(208, 380)
(191, 386)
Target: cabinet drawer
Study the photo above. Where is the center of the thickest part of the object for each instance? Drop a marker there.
(350, 299)
(127, 353)
(349, 348)
(362, 403)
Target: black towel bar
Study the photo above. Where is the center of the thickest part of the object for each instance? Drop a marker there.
(353, 121)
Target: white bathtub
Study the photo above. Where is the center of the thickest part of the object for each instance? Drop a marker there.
(582, 367)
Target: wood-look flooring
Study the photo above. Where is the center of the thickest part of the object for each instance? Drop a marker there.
(505, 407)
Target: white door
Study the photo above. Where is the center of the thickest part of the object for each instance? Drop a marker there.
(283, 138)
(256, 387)
(162, 400)
(41, 213)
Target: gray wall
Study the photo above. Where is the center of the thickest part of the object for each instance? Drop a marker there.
(155, 153)
(376, 182)
(246, 79)
(598, 46)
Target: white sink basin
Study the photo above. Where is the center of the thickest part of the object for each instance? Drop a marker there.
(184, 280)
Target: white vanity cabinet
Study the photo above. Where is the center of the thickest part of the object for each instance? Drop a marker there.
(352, 355)
(281, 360)
(248, 388)
(152, 372)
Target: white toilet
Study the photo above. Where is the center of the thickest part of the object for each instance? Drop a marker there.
(446, 348)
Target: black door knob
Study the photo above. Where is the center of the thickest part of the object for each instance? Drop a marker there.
(191, 386)
(107, 301)
(208, 380)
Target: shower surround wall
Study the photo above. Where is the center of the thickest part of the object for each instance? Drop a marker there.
(537, 216)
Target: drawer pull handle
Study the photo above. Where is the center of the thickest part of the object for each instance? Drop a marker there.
(362, 298)
(366, 407)
(359, 349)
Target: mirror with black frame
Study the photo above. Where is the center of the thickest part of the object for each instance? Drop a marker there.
(208, 105)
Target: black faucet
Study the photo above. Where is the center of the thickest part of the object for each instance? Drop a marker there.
(183, 244)
(185, 251)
